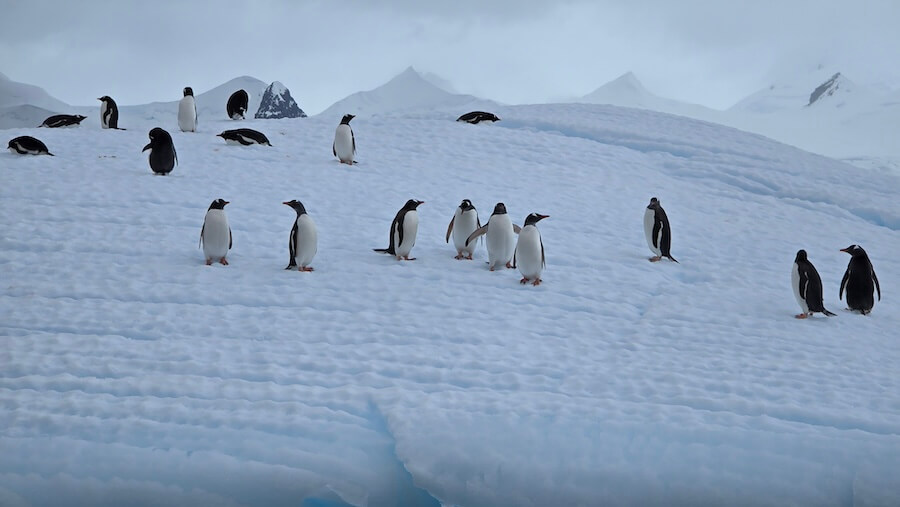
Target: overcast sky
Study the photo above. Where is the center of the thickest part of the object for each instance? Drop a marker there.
(711, 52)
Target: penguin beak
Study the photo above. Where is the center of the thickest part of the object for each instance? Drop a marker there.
(845, 250)
(419, 203)
(286, 203)
(226, 202)
(543, 216)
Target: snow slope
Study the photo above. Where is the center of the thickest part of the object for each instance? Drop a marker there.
(406, 92)
(131, 373)
(14, 93)
(628, 91)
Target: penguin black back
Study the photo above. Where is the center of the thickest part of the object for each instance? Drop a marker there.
(27, 145)
(109, 113)
(162, 151)
(809, 285)
(62, 120)
(860, 281)
(475, 117)
(661, 230)
(397, 225)
(237, 105)
(245, 137)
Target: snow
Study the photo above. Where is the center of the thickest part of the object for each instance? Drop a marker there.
(131, 373)
(14, 93)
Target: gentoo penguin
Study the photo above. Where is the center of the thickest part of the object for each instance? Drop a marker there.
(245, 137)
(162, 151)
(403, 231)
(656, 229)
(187, 111)
(304, 240)
(27, 145)
(860, 281)
(500, 235)
(109, 113)
(464, 222)
(529, 254)
(62, 120)
(344, 146)
(478, 116)
(807, 287)
(215, 236)
(237, 105)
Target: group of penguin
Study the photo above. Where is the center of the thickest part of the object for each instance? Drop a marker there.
(526, 253)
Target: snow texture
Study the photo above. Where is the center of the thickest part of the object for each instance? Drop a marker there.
(278, 103)
(133, 374)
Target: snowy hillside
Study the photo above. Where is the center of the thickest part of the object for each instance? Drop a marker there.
(628, 91)
(408, 91)
(133, 374)
(13, 93)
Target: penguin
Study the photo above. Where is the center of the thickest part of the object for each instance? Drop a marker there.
(187, 111)
(464, 222)
(403, 231)
(237, 105)
(109, 113)
(62, 120)
(27, 145)
(529, 253)
(215, 235)
(656, 229)
(245, 137)
(344, 146)
(500, 237)
(860, 281)
(304, 239)
(807, 287)
(475, 117)
(162, 151)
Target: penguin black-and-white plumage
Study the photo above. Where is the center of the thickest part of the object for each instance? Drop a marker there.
(27, 145)
(244, 137)
(237, 105)
(657, 231)
(344, 145)
(162, 151)
(807, 285)
(304, 239)
(500, 237)
(529, 253)
(475, 117)
(859, 281)
(62, 120)
(187, 111)
(109, 113)
(215, 235)
(464, 222)
(403, 231)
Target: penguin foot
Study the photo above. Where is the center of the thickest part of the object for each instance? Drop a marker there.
(459, 257)
(655, 259)
(469, 258)
(536, 282)
(523, 281)
(801, 316)
(223, 261)
(209, 262)
(291, 266)
(509, 265)
(305, 269)
(408, 258)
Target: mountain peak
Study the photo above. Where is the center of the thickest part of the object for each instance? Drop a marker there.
(828, 88)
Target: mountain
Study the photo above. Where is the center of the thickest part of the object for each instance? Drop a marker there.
(408, 91)
(627, 91)
(277, 103)
(13, 93)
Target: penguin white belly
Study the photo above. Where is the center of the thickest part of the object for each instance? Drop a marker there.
(649, 220)
(343, 143)
(104, 121)
(187, 114)
(500, 240)
(410, 228)
(464, 224)
(795, 283)
(216, 235)
(306, 241)
(528, 253)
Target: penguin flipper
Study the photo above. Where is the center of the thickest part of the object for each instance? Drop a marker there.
(291, 246)
(828, 314)
(478, 232)
(148, 147)
(201, 234)
(657, 225)
(229, 238)
(543, 258)
(516, 229)
(333, 150)
(450, 228)
(844, 283)
(353, 139)
(877, 285)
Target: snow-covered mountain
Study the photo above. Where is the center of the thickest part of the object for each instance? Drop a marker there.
(628, 91)
(277, 102)
(14, 93)
(406, 92)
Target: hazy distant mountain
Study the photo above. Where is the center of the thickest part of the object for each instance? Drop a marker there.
(627, 91)
(210, 104)
(13, 93)
(407, 91)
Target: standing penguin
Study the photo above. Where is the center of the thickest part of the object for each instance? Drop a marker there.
(344, 146)
(807, 287)
(500, 237)
(304, 239)
(162, 151)
(403, 231)
(109, 113)
(464, 222)
(860, 281)
(237, 105)
(27, 145)
(529, 253)
(215, 235)
(187, 111)
(656, 229)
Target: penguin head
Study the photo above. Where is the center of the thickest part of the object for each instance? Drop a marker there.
(855, 251)
(11, 145)
(346, 119)
(499, 209)
(492, 117)
(158, 136)
(466, 205)
(534, 218)
(188, 91)
(218, 204)
(296, 205)
(105, 98)
(80, 117)
(412, 204)
(654, 203)
(801, 256)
